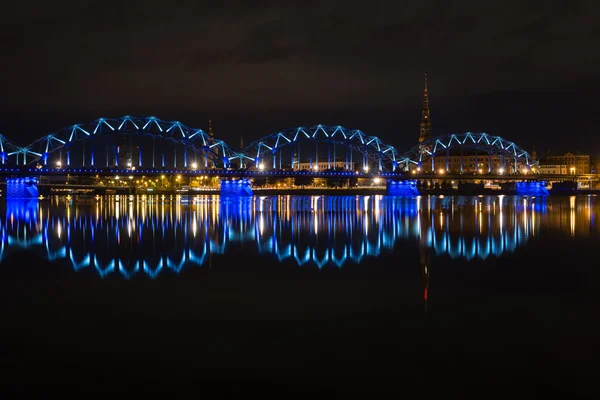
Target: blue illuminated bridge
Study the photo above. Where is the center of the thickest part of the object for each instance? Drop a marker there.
(150, 146)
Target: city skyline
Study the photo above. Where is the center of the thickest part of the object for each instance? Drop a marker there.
(487, 71)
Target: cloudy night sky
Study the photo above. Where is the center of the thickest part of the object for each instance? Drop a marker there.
(527, 71)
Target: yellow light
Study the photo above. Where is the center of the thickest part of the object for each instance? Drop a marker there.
(130, 176)
(441, 171)
(178, 177)
(117, 177)
(162, 177)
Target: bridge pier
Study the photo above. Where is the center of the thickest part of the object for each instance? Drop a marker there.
(402, 188)
(240, 187)
(22, 188)
(536, 188)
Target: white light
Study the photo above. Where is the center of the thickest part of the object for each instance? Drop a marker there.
(501, 170)
(129, 163)
(366, 168)
(441, 171)
(59, 164)
(194, 166)
(377, 181)
(261, 166)
(316, 167)
(117, 177)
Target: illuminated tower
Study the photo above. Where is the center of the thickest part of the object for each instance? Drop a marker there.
(212, 135)
(295, 165)
(425, 117)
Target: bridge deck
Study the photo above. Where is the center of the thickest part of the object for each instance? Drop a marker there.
(236, 173)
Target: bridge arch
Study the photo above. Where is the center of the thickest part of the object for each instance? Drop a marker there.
(10, 153)
(159, 143)
(470, 152)
(293, 147)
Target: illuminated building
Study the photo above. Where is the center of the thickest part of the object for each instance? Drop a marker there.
(575, 163)
(553, 169)
(323, 165)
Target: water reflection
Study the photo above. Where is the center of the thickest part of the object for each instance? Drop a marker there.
(146, 235)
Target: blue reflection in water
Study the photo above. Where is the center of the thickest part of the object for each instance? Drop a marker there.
(146, 235)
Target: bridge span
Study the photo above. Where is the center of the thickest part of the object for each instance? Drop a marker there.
(149, 146)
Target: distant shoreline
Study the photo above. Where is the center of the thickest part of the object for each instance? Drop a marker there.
(311, 192)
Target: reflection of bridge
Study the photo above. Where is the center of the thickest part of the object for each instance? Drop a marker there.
(150, 146)
(146, 236)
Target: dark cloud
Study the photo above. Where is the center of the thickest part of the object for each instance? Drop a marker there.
(302, 59)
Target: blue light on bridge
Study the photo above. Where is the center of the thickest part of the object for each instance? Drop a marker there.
(21, 188)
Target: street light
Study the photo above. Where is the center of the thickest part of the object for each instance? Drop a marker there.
(441, 171)
(194, 166)
(501, 171)
(377, 180)
(261, 166)
(316, 167)
(59, 164)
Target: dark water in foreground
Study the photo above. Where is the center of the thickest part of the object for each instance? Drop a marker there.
(491, 296)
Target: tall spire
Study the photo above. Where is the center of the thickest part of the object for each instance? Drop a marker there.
(425, 132)
(210, 131)
(212, 135)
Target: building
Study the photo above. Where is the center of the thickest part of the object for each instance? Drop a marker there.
(576, 163)
(553, 169)
(470, 164)
(323, 165)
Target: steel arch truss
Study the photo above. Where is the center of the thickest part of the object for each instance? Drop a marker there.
(10, 153)
(386, 156)
(492, 145)
(214, 149)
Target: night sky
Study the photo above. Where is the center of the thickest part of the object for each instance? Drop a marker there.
(527, 71)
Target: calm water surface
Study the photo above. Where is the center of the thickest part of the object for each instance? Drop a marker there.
(330, 291)
(132, 236)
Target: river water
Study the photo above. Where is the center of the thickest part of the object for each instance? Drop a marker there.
(328, 293)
